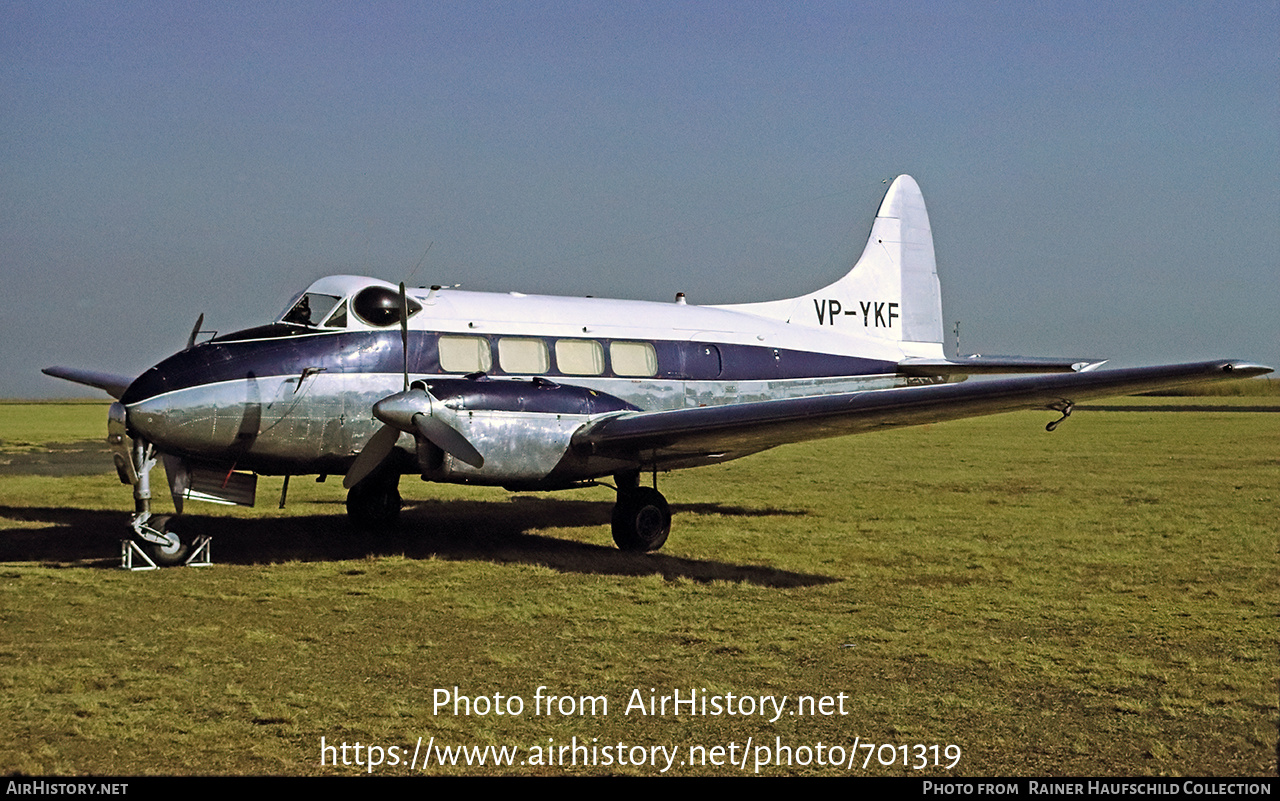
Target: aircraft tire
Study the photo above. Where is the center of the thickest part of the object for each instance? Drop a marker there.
(641, 520)
(373, 506)
(165, 555)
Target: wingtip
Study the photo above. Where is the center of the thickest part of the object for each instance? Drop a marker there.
(1089, 365)
(1246, 369)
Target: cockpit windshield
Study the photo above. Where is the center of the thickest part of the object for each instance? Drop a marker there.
(310, 309)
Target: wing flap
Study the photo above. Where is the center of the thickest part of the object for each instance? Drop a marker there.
(716, 431)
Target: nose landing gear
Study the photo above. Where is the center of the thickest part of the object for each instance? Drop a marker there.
(153, 537)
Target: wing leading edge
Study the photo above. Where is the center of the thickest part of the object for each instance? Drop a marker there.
(705, 435)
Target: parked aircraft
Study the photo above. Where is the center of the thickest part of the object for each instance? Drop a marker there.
(359, 378)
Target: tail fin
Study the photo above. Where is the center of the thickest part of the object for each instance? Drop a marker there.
(891, 293)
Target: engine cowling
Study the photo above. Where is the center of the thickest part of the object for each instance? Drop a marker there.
(477, 430)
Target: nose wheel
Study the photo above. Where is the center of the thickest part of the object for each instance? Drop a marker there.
(173, 551)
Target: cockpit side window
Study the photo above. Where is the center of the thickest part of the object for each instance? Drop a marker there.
(339, 317)
(310, 309)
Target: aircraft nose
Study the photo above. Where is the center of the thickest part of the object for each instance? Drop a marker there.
(147, 409)
(181, 421)
(201, 420)
(150, 407)
(176, 406)
(151, 383)
(186, 368)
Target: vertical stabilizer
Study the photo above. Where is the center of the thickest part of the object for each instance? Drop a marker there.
(892, 292)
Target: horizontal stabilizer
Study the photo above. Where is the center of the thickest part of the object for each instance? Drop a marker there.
(994, 365)
(113, 385)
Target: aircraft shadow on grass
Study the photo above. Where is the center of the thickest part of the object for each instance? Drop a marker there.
(455, 530)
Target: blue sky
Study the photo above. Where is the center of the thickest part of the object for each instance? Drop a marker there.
(1102, 180)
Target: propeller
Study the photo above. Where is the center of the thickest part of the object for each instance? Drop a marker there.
(414, 411)
(375, 450)
(404, 334)
(195, 331)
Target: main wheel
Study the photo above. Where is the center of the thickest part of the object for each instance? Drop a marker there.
(373, 505)
(174, 553)
(641, 520)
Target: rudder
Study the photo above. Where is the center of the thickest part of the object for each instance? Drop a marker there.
(892, 291)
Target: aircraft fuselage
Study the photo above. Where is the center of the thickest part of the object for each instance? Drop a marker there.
(289, 399)
(372, 381)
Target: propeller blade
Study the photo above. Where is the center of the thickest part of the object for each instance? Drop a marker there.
(448, 439)
(374, 453)
(404, 333)
(195, 330)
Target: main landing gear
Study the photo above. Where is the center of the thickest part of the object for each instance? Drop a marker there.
(374, 503)
(641, 516)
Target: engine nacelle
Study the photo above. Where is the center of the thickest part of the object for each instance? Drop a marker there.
(522, 428)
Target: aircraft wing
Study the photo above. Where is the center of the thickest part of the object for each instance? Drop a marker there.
(704, 435)
(113, 385)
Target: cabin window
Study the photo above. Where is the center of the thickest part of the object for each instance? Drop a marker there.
(523, 355)
(633, 358)
(579, 357)
(310, 309)
(465, 354)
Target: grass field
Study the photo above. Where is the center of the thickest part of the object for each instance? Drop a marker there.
(1096, 601)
